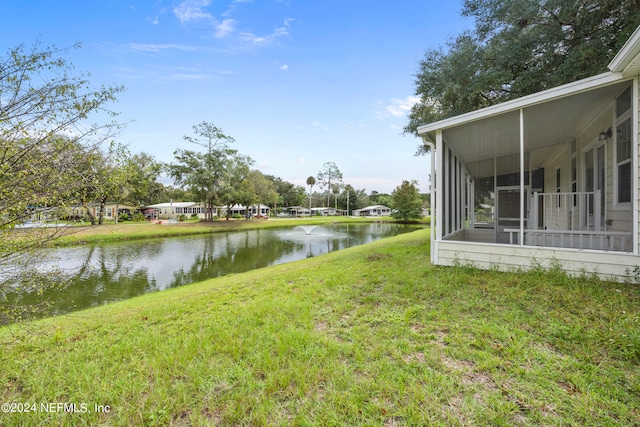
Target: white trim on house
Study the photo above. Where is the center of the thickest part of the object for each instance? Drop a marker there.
(255, 210)
(298, 211)
(574, 88)
(376, 210)
(169, 210)
(328, 211)
(515, 148)
(627, 60)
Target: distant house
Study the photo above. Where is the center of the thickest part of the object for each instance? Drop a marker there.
(297, 211)
(171, 210)
(377, 210)
(254, 210)
(328, 212)
(110, 209)
(561, 169)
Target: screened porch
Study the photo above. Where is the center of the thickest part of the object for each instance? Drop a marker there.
(555, 174)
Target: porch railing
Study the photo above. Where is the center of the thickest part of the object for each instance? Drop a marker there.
(579, 239)
(570, 220)
(567, 211)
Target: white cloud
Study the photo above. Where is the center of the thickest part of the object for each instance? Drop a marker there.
(155, 48)
(189, 77)
(192, 10)
(400, 107)
(154, 20)
(224, 28)
(317, 124)
(301, 160)
(263, 40)
(284, 67)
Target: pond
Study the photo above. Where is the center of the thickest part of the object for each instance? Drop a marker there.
(97, 274)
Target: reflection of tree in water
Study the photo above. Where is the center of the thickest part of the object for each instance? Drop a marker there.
(94, 275)
(234, 255)
(99, 276)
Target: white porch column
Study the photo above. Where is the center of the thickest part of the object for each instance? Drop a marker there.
(635, 164)
(438, 185)
(522, 192)
(471, 203)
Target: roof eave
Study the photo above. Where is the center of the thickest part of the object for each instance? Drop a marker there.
(628, 55)
(525, 101)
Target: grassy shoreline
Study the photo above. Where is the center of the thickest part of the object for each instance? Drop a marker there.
(371, 335)
(133, 231)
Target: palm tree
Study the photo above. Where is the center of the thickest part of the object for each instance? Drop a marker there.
(311, 181)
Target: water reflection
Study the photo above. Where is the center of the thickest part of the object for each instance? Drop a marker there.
(97, 274)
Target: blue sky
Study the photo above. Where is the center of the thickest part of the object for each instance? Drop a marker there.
(297, 83)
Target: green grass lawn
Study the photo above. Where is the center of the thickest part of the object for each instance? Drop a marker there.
(372, 335)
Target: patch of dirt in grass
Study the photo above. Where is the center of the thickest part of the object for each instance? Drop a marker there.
(415, 357)
(376, 256)
(182, 419)
(440, 337)
(214, 416)
(15, 385)
(321, 326)
(457, 365)
(394, 422)
(416, 328)
(453, 408)
(481, 379)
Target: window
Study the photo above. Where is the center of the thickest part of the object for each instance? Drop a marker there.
(623, 147)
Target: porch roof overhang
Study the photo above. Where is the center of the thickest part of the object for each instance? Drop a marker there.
(552, 118)
(627, 61)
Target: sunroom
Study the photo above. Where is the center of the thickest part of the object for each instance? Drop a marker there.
(548, 178)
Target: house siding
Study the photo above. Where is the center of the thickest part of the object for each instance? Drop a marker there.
(549, 121)
(608, 265)
(637, 202)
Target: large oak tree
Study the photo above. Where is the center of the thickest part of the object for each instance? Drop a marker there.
(519, 47)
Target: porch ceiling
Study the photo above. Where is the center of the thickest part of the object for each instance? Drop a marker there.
(548, 127)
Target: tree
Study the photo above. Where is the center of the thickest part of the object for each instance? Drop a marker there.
(204, 173)
(44, 113)
(335, 189)
(144, 170)
(519, 47)
(288, 194)
(114, 180)
(236, 187)
(328, 175)
(264, 189)
(159, 193)
(311, 181)
(406, 202)
(350, 196)
(384, 200)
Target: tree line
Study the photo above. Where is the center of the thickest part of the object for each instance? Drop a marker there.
(51, 158)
